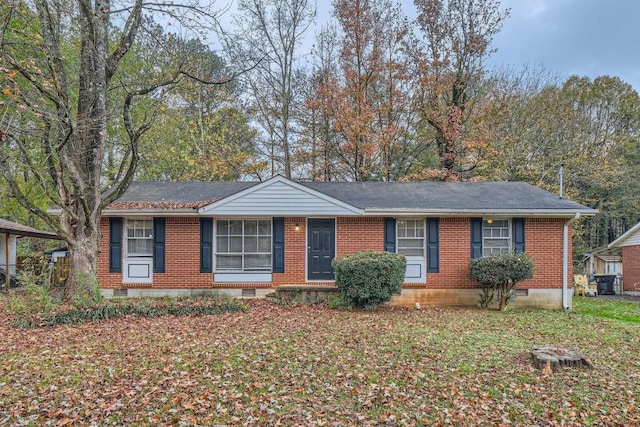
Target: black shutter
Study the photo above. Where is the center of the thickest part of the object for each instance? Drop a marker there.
(206, 245)
(433, 245)
(158, 244)
(476, 237)
(390, 235)
(115, 245)
(518, 235)
(278, 245)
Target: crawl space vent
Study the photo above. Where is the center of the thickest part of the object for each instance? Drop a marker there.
(248, 293)
(120, 292)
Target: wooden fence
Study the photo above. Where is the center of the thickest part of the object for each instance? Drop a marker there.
(57, 271)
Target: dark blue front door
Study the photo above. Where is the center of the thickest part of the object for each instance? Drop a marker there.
(321, 248)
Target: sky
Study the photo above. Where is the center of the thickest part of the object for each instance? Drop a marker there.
(583, 37)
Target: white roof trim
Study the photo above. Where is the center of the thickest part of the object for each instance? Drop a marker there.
(558, 213)
(624, 236)
(211, 208)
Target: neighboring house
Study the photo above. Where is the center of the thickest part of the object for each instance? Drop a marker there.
(247, 238)
(603, 261)
(9, 234)
(629, 243)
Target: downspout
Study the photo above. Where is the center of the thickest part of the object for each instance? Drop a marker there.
(565, 261)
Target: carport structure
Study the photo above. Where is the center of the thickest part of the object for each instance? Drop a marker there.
(9, 233)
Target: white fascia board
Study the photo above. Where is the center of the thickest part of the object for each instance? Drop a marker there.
(624, 236)
(211, 208)
(556, 213)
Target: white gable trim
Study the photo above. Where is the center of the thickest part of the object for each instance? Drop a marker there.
(632, 234)
(284, 197)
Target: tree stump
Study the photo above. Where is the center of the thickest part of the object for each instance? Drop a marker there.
(551, 359)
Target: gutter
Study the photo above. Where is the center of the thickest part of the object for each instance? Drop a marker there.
(565, 261)
(551, 213)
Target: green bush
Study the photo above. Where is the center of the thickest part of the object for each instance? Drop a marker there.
(30, 304)
(368, 279)
(149, 307)
(498, 275)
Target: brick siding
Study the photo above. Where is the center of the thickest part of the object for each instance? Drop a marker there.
(631, 267)
(543, 242)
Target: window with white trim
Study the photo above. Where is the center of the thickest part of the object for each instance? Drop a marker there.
(410, 235)
(243, 245)
(139, 237)
(496, 237)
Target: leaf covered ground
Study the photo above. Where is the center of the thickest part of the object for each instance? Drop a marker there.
(310, 365)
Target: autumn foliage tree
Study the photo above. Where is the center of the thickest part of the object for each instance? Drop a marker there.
(457, 36)
(367, 95)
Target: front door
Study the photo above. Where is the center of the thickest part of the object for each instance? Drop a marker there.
(321, 248)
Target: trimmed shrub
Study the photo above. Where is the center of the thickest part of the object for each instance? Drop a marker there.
(368, 279)
(498, 276)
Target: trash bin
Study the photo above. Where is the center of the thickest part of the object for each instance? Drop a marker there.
(605, 283)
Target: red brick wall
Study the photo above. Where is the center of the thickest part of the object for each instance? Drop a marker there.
(631, 267)
(543, 243)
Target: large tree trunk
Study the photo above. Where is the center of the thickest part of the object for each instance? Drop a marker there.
(83, 266)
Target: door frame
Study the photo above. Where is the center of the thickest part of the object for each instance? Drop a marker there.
(306, 245)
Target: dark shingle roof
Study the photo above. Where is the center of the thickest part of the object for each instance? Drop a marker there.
(438, 195)
(431, 195)
(11, 227)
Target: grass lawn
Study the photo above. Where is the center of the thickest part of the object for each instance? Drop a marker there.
(308, 365)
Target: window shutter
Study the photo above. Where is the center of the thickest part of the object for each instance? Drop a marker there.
(206, 245)
(390, 234)
(476, 237)
(115, 245)
(278, 245)
(518, 235)
(158, 244)
(433, 245)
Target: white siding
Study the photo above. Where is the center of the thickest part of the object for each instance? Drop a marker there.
(632, 240)
(280, 198)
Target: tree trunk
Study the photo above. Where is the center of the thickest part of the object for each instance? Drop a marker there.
(83, 266)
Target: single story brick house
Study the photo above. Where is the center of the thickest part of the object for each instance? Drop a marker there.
(629, 244)
(248, 238)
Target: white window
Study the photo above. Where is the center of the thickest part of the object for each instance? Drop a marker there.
(139, 237)
(411, 234)
(243, 245)
(496, 237)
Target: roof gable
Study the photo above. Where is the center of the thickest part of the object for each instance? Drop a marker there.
(630, 238)
(280, 196)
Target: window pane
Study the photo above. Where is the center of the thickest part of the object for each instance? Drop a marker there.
(222, 227)
(229, 262)
(250, 244)
(222, 244)
(235, 228)
(264, 227)
(411, 251)
(411, 243)
(402, 232)
(235, 244)
(257, 262)
(250, 228)
(496, 243)
(140, 247)
(264, 244)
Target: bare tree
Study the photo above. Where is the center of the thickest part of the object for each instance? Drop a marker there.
(61, 64)
(270, 32)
